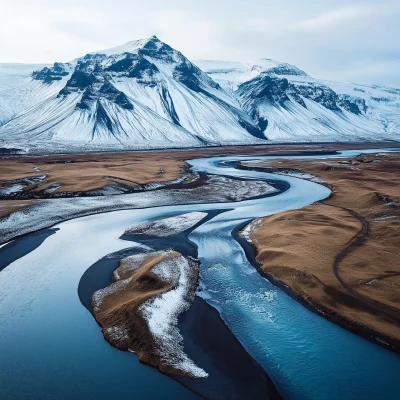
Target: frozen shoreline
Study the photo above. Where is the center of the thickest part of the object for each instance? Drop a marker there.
(53, 211)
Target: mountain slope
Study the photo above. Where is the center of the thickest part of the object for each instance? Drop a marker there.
(289, 105)
(382, 103)
(142, 94)
(145, 94)
(16, 89)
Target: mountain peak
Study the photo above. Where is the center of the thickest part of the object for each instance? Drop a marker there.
(278, 68)
(130, 47)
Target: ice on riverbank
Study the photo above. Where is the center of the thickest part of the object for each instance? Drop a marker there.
(168, 226)
(217, 189)
(246, 232)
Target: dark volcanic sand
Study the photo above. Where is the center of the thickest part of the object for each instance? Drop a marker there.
(22, 246)
(233, 373)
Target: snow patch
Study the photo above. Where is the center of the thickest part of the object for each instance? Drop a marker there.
(385, 218)
(11, 190)
(162, 313)
(249, 228)
(168, 226)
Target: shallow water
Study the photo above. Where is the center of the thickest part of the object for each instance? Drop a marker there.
(51, 347)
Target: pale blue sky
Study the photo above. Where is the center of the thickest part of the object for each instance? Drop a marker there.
(338, 40)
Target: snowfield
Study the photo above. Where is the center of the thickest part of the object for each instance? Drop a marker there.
(16, 88)
(147, 95)
(298, 107)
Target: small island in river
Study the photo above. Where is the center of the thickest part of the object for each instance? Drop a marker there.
(139, 312)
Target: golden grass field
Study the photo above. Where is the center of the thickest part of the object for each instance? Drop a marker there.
(79, 173)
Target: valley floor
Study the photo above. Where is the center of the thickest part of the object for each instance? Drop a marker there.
(25, 179)
(339, 257)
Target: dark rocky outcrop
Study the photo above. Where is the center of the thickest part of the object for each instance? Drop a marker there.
(271, 88)
(49, 75)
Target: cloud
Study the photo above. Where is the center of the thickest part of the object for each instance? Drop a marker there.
(331, 18)
(327, 39)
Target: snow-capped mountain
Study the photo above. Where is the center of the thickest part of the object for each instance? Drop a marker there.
(289, 105)
(141, 94)
(145, 94)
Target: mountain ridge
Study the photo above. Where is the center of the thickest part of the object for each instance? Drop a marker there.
(145, 94)
(148, 96)
(296, 104)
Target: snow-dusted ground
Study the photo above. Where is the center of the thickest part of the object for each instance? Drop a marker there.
(12, 189)
(99, 296)
(52, 211)
(250, 228)
(162, 311)
(117, 187)
(168, 226)
(157, 185)
(131, 263)
(282, 171)
(20, 184)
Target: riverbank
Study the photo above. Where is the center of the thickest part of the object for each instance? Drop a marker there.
(28, 177)
(90, 175)
(48, 212)
(340, 257)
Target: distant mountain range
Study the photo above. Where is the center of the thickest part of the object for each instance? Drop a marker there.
(145, 94)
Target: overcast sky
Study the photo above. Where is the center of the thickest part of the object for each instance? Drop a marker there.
(333, 39)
